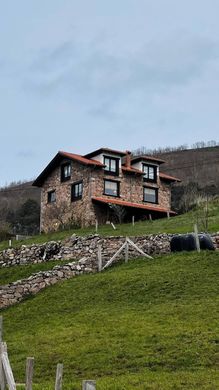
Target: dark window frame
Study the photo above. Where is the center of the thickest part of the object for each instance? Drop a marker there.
(109, 172)
(118, 188)
(154, 180)
(63, 177)
(156, 195)
(49, 196)
(74, 198)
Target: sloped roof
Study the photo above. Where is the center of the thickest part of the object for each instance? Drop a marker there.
(56, 161)
(131, 204)
(104, 150)
(147, 158)
(164, 176)
(132, 170)
(81, 159)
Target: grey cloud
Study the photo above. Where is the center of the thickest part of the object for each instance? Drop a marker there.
(99, 79)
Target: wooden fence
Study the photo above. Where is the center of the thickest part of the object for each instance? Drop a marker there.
(7, 380)
(125, 247)
(6, 374)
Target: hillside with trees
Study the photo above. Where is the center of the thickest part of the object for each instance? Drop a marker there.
(19, 209)
(197, 167)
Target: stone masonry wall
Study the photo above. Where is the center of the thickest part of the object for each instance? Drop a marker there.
(64, 211)
(77, 247)
(82, 249)
(83, 212)
(15, 292)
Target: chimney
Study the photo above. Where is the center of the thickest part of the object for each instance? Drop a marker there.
(128, 159)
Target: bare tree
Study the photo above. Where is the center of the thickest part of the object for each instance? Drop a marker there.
(119, 211)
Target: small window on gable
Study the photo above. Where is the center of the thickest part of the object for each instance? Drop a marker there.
(51, 196)
(150, 173)
(111, 165)
(150, 195)
(77, 191)
(111, 188)
(65, 172)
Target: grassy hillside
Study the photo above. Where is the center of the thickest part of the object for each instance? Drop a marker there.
(144, 325)
(179, 224)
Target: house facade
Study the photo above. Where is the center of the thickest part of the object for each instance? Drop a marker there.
(104, 185)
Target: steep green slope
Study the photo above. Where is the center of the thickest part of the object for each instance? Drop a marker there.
(144, 325)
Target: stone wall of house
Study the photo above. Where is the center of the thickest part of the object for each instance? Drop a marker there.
(64, 211)
(83, 212)
(15, 292)
(131, 188)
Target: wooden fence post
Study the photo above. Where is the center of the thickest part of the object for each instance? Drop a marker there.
(96, 226)
(2, 375)
(29, 373)
(196, 237)
(7, 368)
(59, 373)
(133, 220)
(89, 385)
(99, 257)
(127, 251)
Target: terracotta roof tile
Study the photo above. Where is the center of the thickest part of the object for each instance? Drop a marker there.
(147, 158)
(104, 150)
(81, 159)
(164, 176)
(131, 204)
(132, 170)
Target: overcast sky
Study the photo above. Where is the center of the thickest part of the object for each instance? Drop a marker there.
(77, 75)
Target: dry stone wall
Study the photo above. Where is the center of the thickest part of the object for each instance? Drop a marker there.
(82, 249)
(15, 292)
(77, 247)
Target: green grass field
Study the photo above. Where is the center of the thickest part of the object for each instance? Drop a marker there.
(142, 325)
(180, 224)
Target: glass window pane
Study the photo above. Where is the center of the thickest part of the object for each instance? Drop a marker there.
(51, 196)
(77, 190)
(111, 188)
(151, 173)
(107, 163)
(150, 195)
(113, 166)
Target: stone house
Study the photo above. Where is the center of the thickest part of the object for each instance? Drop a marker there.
(102, 186)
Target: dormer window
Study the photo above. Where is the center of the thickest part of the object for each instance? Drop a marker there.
(150, 172)
(65, 172)
(111, 165)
